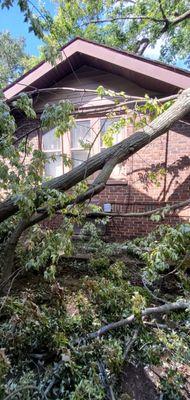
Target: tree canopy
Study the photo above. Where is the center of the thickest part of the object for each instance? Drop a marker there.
(31, 199)
(75, 348)
(135, 26)
(58, 343)
(130, 25)
(12, 56)
(14, 60)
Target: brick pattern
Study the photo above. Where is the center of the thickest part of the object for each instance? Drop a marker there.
(136, 193)
(130, 188)
(133, 191)
(122, 228)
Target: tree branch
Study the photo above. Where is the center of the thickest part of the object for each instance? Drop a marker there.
(162, 10)
(116, 154)
(175, 21)
(19, 390)
(128, 17)
(142, 214)
(141, 45)
(130, 343)
(26, 134)
(164, 309)
(104, 109)
(181, 18)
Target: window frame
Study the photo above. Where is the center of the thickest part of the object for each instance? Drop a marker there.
(53, 152)
(123, 131)
(66, 140)
(72, 149)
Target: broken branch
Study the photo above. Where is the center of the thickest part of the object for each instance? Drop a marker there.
(164, 309)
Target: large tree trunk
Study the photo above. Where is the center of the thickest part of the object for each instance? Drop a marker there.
(8, 255)
(114, 155)
(105, 162)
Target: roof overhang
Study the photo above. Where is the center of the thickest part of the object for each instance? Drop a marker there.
(151, 75)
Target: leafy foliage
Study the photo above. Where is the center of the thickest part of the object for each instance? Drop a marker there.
(44, 247)
(163, 250)
(134, 26)
(43, 335)
(39, 22)
(129, 25)
(43, 346)
(12, 56)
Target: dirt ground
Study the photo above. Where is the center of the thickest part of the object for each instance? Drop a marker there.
(136, 382)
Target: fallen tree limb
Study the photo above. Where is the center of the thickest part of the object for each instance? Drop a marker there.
(103, 162)
(168, 208)
(130, 343)
(82, 90)
(20, 390)
(105, 381)
(164, 309)
(111, 156)
(171, 207)
(153, 295)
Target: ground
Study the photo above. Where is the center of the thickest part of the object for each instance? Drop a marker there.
(47, 318)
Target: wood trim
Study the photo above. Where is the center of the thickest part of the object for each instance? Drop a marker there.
(163, 73)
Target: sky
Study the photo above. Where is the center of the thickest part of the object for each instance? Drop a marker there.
(154, 53)
(13, 21)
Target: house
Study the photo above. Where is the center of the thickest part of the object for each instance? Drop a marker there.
(87, 65)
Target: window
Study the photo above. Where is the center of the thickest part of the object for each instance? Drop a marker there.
(104, 125)
(52, 146)
(81, 132)
(70, 144)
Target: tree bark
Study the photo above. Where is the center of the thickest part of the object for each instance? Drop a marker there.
(111, 156)
(8, 255)
(171, 208)
(103, 162)
(164, 309)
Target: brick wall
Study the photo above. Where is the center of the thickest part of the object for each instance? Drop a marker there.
(131, 189)
(122, 228)
(136, 193)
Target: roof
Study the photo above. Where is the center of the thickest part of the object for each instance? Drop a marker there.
(152, 75)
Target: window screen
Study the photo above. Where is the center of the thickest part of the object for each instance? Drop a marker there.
(80, 132)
